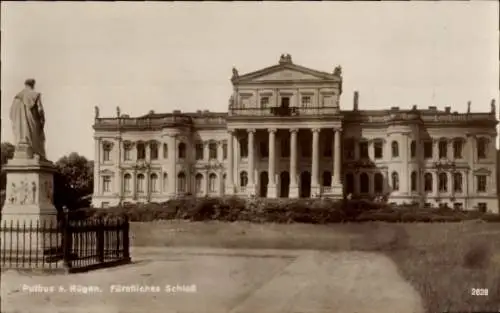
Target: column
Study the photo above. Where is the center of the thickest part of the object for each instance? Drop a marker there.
(230, 164)
(271, 187)
(172, 165)
(294, 188)
(315, 163)
(251, 162)
(147, 188)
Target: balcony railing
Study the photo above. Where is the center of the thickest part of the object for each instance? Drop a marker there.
(282, 111)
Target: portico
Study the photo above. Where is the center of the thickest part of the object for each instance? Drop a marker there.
(285, 162)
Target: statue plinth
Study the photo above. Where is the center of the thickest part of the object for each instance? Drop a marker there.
(29, 191)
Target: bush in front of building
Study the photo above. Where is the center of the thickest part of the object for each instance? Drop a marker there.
(261, 210)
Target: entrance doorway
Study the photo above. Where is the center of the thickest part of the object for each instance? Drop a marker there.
(284, 184)
(305, 184)
(264, 180)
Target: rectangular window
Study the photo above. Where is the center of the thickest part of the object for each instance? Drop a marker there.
(379, 150)
(224, 151)
(264, 102)
(363, 150)
(106, 155)
(127, 154)
(306, 101)
(481, 183)
(428, 149)
(212, 151)
(457, 149)
(106, 183)
(199, 151)
(285, 148)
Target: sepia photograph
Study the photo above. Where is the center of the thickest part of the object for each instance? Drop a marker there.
(250, 157)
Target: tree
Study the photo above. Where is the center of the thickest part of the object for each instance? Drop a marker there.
(73, 181)
(7, 150)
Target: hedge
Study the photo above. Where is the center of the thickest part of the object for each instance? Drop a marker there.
(258, 210)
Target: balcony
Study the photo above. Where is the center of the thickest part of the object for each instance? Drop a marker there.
(282, 111)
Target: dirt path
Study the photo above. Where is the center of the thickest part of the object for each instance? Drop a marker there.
(235, 281)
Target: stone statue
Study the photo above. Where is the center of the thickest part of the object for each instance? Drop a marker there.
(235, 73)
(337, 71)
(28, 121)
(468, 106)
(231, 101)
(493, 106)
(118, 111)
(96, 111)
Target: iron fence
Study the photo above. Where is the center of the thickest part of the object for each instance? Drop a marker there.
(65, 245)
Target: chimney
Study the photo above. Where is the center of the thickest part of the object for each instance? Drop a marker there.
(356, 99)
(468, 106)
(447, 109)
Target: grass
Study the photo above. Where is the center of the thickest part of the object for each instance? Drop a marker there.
(442, 261)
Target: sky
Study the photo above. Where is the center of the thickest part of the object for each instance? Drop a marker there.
(178, 56)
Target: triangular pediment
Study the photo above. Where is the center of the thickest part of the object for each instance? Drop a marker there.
(285, 72)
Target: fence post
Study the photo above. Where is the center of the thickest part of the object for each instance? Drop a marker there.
(101, 224)
(67, 239)
(126, 240)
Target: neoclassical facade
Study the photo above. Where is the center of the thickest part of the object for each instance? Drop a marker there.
(285, 135)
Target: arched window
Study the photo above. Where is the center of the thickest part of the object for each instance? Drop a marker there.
(457, 182)
(443, 148)
(482, 148)
(243, 179)
(395, 181)
(165, 182)
(212, 183)
(140, 183)
(141, 151)
(443, 182)
(327, 178)
(413, 182)
(165, 151)
(428, 182)
(243, 148)
(413, 149)
(154, 182)
(198, 183)
(349, 183)
(395, 149)
(153, 146)
(182, 150)
(181, 182)
(379, 183)
(364, 183)
(127, 183)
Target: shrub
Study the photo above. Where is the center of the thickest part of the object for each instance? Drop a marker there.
(259, 210)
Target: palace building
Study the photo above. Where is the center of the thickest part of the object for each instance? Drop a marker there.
(285, 135)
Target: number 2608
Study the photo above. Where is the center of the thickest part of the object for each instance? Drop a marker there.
(479, 291)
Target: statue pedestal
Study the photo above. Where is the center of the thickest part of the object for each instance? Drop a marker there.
(28, 211)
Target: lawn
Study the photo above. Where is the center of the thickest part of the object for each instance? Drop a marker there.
(444, 262)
